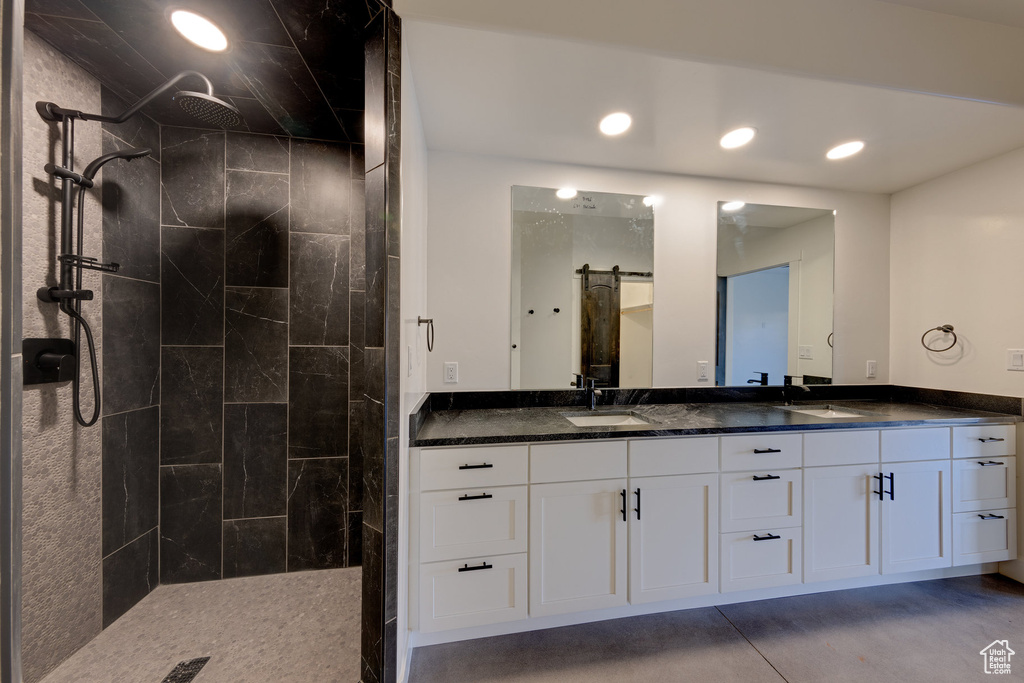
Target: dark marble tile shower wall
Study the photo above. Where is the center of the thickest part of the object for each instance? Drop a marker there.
(130, 193)
(259, 345)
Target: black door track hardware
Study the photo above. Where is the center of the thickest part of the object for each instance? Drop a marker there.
(47, 361)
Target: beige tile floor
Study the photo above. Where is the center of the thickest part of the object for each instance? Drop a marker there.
(927, 632)
(288, 628)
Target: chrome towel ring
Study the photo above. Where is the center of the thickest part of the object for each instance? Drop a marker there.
(945, 329)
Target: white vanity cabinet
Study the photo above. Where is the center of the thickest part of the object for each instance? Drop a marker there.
(984, 494)
(673, 518)
(916, 516)
(578, 529)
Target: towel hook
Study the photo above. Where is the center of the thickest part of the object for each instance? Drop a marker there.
(945, 329)
(429, 322)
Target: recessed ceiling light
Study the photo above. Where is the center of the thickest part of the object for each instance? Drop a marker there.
(733, 206)
(616, 124)
(652, 200)
(566, 193)
(199, 30)
(737, 138)
(845, 150)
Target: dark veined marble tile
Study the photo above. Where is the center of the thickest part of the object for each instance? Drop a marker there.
(192, 287)
(375, 87)
(131, 344)
(372, 603)
(255, 460)
(279, 78)
(191, 405)
(257, 229)
(373, 465)
(129, 575)
(190, 523)
(391, 531)
(320, 176)
(357, 217)
(357, 368)
(265, 153)
(376, 256)
(138, 131)
(356, 416)
(318, 402)
(72, 9)
(131, 476)
(393, 350)
(319, 297)
(255, 546)
(255, 117)
(355, 539)
(256, 345)
(390, 650)
(131, 213)
(192, 177)
(351, 120)
(317, 513)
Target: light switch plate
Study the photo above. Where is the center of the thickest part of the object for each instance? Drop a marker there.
(806, 353)
(702, 371)
(872, 369)
(1015, 360)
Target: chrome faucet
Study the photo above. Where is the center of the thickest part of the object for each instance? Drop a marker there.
(588, 385)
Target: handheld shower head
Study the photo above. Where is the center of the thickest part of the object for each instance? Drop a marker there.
(207, 108)
(126, 154)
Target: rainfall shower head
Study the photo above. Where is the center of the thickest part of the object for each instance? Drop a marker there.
(207, 108)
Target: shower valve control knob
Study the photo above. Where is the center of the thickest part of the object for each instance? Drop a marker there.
(54, 294)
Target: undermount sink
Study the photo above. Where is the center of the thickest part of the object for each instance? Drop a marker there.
(610, 418)
(823, 411)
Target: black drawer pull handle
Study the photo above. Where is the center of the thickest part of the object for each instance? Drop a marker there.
(767, 450)
(990, 439)
(892, 485)
(990, 462)
(637, 508)
(991, 516)
(880, 493)
(483, 466)
(624, 506)
(482, 496)
(467, 568)
(766, 477)
(769, 537)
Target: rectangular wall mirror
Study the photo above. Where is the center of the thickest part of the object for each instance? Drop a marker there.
(582, 288)
(774, 303)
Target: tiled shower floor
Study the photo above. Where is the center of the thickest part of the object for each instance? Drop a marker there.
(299, 627)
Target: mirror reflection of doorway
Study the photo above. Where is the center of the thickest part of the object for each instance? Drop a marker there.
(756, 326)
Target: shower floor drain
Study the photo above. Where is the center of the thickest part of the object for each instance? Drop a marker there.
(184, 672)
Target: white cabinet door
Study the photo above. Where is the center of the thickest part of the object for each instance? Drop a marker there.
(456, 524)
(916, 521)
(577, 546)
(989, 536)
(762, 559)
(472, 592)
(759, 500)
(673, 537)
(840, 522)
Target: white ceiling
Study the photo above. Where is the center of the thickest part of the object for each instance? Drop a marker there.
(532, 97)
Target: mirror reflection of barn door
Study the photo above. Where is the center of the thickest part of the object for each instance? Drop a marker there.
(599, 325)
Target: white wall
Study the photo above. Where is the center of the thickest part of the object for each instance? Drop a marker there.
(414, 304)
(957, 245)
(468, 281)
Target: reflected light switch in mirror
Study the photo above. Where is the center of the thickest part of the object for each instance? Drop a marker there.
(805, 353)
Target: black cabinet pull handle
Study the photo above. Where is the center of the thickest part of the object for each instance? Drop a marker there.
(482, 496)
(482, 466)
(990, 462)
(467, 568)
(767, 450)
(892, 485)
(624, 506)
(990, 439)
(766, 477)
(991, 516)
(880, 493)
(769, 537)
(637, 508)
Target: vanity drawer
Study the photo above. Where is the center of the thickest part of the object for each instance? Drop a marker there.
(989, 536)
(577, 461)
(756, 500)
(758, 451)
(666, 457)
(748, 563)
(984, 484)
(464, 523)
(903, 445)
(984, 441)
(840, 448)
(472, 592)
(452, 468)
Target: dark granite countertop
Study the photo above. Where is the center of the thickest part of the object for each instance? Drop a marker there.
(531, 424)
